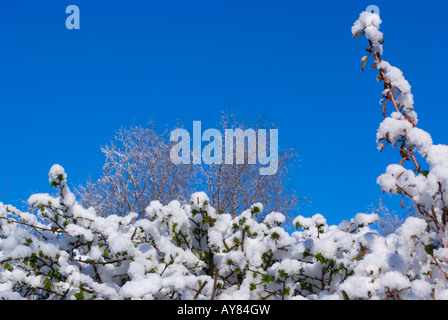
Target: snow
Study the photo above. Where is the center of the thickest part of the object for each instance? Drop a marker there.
(366, 19)
(57, 174)
(75, 230)
(200, 199)
(120, 244)
(373, 34)
(363, 219)
(274, 218)
(420, 290)
(144, 288)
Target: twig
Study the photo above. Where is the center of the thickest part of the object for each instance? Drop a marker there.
(199, 290)
(389, 86)
(215, 281)
(6, 188)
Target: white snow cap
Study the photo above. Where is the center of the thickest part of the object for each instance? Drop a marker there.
(199, 199)
(366, 19)
(57, 174)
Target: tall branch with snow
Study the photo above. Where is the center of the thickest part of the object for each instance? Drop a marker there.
(426, 188)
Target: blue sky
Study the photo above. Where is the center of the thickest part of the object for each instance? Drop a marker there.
(65, 92)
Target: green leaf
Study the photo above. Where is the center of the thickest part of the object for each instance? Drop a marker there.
(80, 295)
(255, 209)
(345, 295)
(266, 279)
(425, 173)
(429, 249)
(444, 214)
(282, 273)
(7, 266)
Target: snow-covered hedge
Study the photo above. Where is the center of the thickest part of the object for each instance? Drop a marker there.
(189, 251)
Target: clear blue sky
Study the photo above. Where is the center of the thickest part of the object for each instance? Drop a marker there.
(65, 92)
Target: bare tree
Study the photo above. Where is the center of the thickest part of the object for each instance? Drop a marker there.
(137, 170)
(234, 187)
(390, 221)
